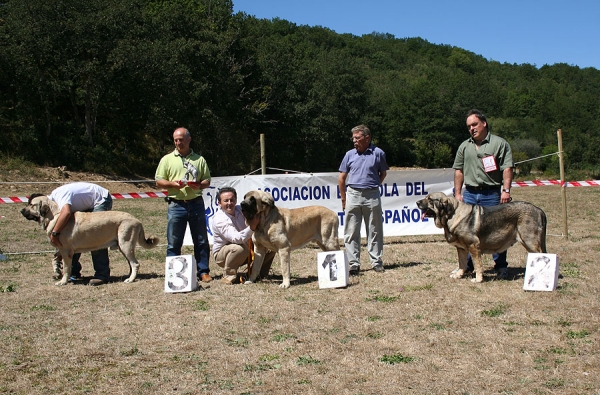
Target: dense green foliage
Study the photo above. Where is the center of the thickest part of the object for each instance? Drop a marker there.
(101, 84)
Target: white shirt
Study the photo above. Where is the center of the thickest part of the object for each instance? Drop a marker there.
(82, 196)
(229, 229)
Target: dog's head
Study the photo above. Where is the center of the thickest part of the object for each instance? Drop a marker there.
(437, 206)
(256, 203)
(39, 209)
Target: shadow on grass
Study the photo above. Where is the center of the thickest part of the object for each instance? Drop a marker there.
(391, 266)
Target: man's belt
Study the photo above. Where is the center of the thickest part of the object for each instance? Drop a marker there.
(170, 199)
(365, 189)
(483, 187)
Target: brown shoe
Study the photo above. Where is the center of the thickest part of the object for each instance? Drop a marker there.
(205, 278)
(96, 281)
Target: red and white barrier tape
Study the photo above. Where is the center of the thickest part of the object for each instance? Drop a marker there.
(141, 195)
(131, 195)
(570, 184)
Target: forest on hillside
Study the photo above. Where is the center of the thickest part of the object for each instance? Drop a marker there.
(100, 85)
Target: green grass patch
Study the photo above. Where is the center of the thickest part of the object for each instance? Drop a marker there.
(261, 367)
(384, 299)
(577, 335)
(11, 287)
(307, 360)
(279, 337)
(557, 350)
(570, 270)
(200, 305)
(564, 322)
(396, 358)
(264, 364)
(495, 311)
(555, 383)
(268, 357)
(131, 352)
(237, 342)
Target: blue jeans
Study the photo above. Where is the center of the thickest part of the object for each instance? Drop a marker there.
(100, 257)
(179, 214)
(489, 197)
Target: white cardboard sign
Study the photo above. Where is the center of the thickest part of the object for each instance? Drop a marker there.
(333, 269)
(541, 272)
(181, 274)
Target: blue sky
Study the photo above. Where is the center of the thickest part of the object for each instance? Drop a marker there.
(537, 32)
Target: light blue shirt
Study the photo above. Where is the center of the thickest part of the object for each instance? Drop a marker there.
(364, 168)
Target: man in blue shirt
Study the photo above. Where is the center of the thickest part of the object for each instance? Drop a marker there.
(363, 170)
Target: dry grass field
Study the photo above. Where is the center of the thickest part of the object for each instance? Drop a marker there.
(410, 330)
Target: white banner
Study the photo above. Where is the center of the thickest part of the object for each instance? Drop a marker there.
(399, 193)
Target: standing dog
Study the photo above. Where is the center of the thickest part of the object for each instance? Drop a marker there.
(90, 232)
(485, 230)
(283, 230)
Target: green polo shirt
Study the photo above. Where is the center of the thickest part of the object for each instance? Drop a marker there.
(469, 159)
(172, 168)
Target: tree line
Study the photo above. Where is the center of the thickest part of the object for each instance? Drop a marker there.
(100, 85)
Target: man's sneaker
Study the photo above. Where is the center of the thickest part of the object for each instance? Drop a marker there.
(502, 273)
(74, 278)
(94, 282)
(379, 269)
(354, 270)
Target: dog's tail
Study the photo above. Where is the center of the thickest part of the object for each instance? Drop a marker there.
(147, 243)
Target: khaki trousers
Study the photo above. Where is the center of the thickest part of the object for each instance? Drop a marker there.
(230, 257)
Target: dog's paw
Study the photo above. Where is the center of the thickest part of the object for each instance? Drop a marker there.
(457, 274)
(284, 285)
(248, 282)
(477, 279)
(61, 282)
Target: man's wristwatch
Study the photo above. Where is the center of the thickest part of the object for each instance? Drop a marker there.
(507, 190)
(55, 234)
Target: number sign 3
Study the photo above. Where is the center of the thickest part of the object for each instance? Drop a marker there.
(180, 274)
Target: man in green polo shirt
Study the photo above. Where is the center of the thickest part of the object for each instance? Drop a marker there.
(484, 164)
(185, 174)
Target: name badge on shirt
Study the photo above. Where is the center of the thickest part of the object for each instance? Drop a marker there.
(489, 164)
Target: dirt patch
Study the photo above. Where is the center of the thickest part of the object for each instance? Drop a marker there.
(45, 179)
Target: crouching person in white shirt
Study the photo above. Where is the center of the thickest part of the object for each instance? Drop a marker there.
(231, 236)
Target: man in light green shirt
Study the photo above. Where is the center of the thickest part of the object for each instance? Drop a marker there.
(185, 174)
